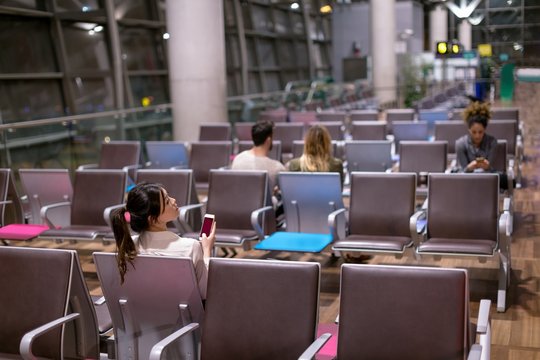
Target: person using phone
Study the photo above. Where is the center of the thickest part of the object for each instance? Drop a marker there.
(476, 151)
(148, 210)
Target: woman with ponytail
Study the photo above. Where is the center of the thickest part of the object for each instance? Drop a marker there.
(148, 210)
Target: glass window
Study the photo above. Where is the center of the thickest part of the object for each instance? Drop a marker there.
(26, 46)
(252, 57)
(30, 99)
(506, 17)
(506, 35)
(265, 48)
(232, 50)
(282, 24)
(289, 76)
(532, 16)
(26, 4)
(272, 81)
(531, 3)
(140, 48)
(504, 3)
(134, 9)
(298, 23)
(286, 53)
(92, 95)
(320, 56)
(254, 83)
(261, 18)
(302, 54)
(479, 35)
(76, 5)
(532, 51)
(246, 15)
(229, 13)
(85, 46)
(155, 88)
(234, 84)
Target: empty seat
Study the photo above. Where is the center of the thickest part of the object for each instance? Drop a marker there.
(375, 155)
(207, 155)
(287, 133)
(215, 132)
(242, 131)
(364, 115)
(166, 154)
(304, 117)
(409, 130)
(368, 130)
(275, 115)
(450, 131)
(335, 128)
(332, 116)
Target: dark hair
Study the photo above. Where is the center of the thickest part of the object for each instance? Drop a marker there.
(144, 203)
(477, 113)
(261, 131)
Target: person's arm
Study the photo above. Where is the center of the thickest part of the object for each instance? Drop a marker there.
(491, 154)
(207, 242)
(461, 156)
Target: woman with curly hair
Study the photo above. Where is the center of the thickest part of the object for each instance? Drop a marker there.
(476, 150)
(317, 156)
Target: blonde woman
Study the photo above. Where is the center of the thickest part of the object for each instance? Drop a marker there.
(317, 156)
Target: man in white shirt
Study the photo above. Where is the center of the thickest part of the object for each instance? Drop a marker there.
(257, 158)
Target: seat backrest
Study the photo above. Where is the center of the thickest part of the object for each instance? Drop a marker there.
(431, 116)
(242, 130)
(403, 312)
(450, 131)
(275, 153)
(287, 133)
(275, 115)
(35, 289)
(335, 128)
(368, 130)
(304, 117)
(234, 194)
(423, 156)
(500, 163)
(260, 309)
(400, 115)
(12, 212)
(215, 132)
(332, 116)
(504, 130)
(381, 203)
(364, 115)
(374, 155)
(45, 187)
(308, 198)
(457, 114)
(409, 130)
(206, 155)
(470, 200)
(118, 154)
(166, 154)
(93, 191)
(147, 308)
(505, 114)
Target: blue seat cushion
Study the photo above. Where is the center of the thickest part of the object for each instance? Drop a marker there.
(293, 241)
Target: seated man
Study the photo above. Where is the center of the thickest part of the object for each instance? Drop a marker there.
(257, 158)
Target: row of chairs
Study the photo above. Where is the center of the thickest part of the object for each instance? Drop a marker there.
(255, 309)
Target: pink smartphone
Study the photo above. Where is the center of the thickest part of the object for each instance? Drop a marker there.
(208, 221)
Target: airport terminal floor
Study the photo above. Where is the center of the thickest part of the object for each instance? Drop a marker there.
(515, 333)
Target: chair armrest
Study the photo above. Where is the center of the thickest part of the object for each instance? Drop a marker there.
(179, 167)
(25, 346)
(475, 353)
(184, 211)
(131, 167)
(157, 349)
(483, 317)
(87, 166)
(413, 227)
(107, 213)
(333, 224)
(315, 346)
(258, 226)
(100, 301)
(45, 209)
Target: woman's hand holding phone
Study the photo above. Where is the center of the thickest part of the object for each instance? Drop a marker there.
(208, 234)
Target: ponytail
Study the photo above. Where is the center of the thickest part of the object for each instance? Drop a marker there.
(126, 250)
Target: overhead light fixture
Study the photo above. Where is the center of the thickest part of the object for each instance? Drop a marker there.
(98, 28)
(166, 36)
(326, 9)
(295, 6)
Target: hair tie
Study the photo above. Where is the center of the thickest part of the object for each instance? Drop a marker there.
(127, 216)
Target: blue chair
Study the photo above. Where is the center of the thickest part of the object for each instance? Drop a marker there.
(308, 199)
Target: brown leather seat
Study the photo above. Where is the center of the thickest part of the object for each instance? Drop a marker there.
(463, 219)
(450, 131)
(287, 133)
(423, 157)
(381, 206)
(207, 155)
(368, 130)
(215, 132)
(364, 115)
(406, 313)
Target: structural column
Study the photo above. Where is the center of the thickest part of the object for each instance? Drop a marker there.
(438, 25)
(196, 49)
(383, 38)
(465, 34)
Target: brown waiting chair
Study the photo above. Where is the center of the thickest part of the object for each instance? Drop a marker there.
(258, 309)
(379, 217)
(368, 130)
(160, 295)
(332, 116)
(95, 193)
(409, 313)
(207, 155)
(46, 309)
(242, 130)
(215, 132)
(364, 115)
(238, 199)
(287, 133)
(422, 158)
(463, 219)
(450, 131)
(335, 128)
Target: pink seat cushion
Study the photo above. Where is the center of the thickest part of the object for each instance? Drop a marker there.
(329, 350)
(21, 231)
